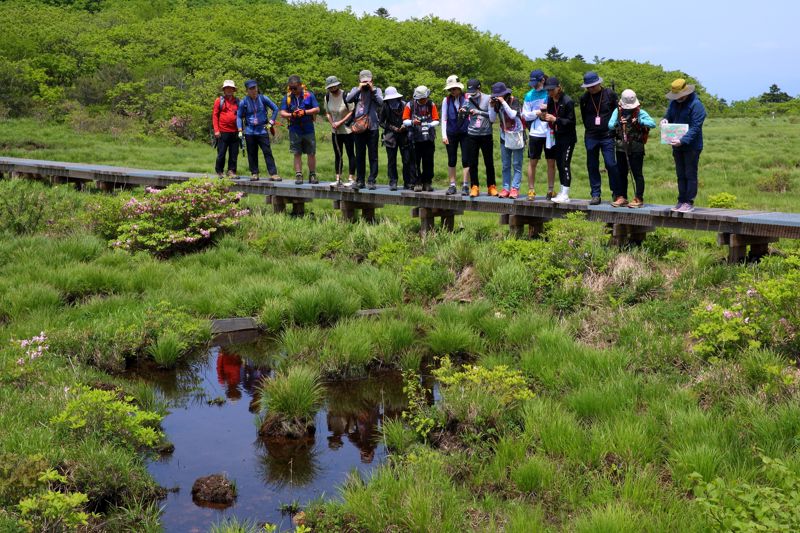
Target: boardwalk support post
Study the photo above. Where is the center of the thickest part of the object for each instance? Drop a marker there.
(427, 218)
(737, 246)
(627, 234)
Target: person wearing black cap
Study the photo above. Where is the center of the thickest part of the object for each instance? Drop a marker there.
(479, 137)
(540, 137)
(560, 116)
(597, 104)
(252, 118)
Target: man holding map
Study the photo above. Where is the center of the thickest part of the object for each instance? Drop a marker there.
(684, 109)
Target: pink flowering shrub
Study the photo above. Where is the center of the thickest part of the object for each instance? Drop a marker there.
(181, 218)
(32, 349)
(762, 310)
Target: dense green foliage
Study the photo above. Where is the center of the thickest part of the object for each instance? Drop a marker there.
(163, 62)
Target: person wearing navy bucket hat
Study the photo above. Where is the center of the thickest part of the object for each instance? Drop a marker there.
(507, 110)
(597, 104)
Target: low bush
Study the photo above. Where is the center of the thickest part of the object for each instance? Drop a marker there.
(722, 200)
(290, 400)
(181, 218)
(28, 207)
(167, 349)
(744, 507)
(101, 412)
(51, 509)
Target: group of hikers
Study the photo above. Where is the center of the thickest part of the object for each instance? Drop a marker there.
(544, 120)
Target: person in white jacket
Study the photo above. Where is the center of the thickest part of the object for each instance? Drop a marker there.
(540, 136)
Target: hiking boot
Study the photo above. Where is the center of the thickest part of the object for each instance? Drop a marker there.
(312, 178)
(561, 198)
(492, 190)
(465, 190)
(298, 178)
(636, 203)
(254, 177)
(232, 174)
(513, 194)
(393, 186)
(358, 185)
(418, 188)
(677, 207)
(503, 193)
(686, 208)
(451, 189)
(474, 191)
(427, 187)
(220, 175)
(531, 194)
(620, 201)
(549, 195)
(594, 201)
(371, 186)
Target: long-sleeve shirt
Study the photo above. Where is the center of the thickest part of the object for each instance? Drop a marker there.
(425, 114)
(564, 111)
(597, 105)
(366, 102)
(692, 112)
(450, 107)
(223, 116)
(534, 99)
(644, 119)
(252, 114)
(509, 115)
(479, 123)
(631, 137)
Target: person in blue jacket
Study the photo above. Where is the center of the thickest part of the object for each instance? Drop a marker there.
(300, 108)
(631, 126)
(686, 108)
(252, 118)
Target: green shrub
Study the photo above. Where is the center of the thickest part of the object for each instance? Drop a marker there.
(511, 285)
(722, 200)
(28, 207)
(390, 254)
(100, 412)
(742, 507)
(53, 510)
(479, 396)
(425, 278)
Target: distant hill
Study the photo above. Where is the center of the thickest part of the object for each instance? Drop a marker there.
(166, 58)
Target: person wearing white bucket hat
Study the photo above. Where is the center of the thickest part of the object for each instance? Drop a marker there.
(223, 118)
(421, 117)
(395, 137)
(631, 126)
(454, 133)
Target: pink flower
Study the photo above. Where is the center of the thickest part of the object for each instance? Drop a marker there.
(727, 314)
(710, 307)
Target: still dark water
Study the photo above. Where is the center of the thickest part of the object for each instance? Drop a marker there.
(211, 438)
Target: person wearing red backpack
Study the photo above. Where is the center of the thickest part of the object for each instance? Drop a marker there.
(223, 117)
(631, 125)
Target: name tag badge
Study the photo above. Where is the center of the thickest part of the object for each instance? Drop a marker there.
(597, 120)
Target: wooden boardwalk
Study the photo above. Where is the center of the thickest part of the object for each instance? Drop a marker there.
(746, 233)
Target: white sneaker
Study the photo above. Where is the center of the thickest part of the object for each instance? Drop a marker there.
(561, 198)
(350, 183)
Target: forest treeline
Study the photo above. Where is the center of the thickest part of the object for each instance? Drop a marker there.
(162, 61)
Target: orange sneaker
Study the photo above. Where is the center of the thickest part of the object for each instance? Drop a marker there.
(620, 201)
(636, 203)
(531, 194)
(513, 194)
(503, 193)
(473, 191)
(492, 190)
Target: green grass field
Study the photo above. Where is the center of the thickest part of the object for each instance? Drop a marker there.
(604, 379)
(757, 161)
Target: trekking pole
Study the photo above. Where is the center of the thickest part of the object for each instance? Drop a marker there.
(627, 147)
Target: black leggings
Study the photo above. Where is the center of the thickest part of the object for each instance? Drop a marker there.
(456, 140)
(485, 144)
(563, 158)
(342, 142)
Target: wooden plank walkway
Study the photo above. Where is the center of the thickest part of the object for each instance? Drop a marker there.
(737, 229)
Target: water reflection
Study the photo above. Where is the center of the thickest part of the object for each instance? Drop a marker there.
(211, 438)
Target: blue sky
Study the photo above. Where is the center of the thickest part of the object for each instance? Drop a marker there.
(736, 49)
